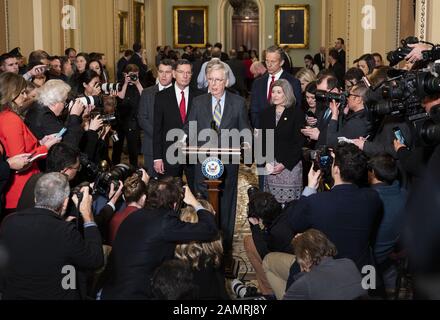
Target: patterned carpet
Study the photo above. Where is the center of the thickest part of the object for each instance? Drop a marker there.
(247, 177)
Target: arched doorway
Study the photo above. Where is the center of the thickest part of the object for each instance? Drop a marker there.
(225, 25)
(245, 24)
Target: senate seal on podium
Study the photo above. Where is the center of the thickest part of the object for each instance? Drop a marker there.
(213, 168)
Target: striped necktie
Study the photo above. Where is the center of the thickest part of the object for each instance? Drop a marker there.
(218, 114)
(327, 114)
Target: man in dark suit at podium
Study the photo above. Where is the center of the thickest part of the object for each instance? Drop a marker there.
(221, 111)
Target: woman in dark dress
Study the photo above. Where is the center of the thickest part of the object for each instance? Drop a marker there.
(284, 174)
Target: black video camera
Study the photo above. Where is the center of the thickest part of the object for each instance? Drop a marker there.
(327, 97)
(77, 191)
(105, 179)
(402, 96)
(430, 129)
(394, 57)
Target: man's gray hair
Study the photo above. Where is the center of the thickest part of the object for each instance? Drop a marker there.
(52, 92)
(51, 191)
(217, 64)
(277, 49)
(288, 92)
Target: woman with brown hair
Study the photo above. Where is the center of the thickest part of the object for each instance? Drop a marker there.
(16, 137)
(204, 259)
(284, 173)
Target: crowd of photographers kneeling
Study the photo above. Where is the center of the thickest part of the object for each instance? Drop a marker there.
(58, 227)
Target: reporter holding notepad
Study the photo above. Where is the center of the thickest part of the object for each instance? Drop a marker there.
(16, 137)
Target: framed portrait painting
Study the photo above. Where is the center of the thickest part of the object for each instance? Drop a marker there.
(190, 26)
(123, 30)
(139, 22)
(292, 23)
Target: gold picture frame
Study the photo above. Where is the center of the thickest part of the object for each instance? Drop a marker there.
(139, 22)
(190, 25)
(123, 30)
(292, 26)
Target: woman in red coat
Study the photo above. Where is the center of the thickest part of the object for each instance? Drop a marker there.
(16, 136)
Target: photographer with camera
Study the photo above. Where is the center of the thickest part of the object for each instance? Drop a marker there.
(126, 114)
(149, 236)
(270, 233)
(44, 118)
(39, 255)
(317, 131)
(415, 159)
(353, 125)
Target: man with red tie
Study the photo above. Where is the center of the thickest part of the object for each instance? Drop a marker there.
(171, 109)
(261, 88)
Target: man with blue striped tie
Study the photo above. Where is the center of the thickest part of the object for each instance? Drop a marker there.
(222, 111)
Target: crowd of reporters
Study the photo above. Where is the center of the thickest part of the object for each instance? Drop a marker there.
(63, 196)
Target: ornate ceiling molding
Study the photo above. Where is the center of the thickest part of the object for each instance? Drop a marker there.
(244, 8)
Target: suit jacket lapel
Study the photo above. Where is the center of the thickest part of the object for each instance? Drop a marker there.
(175, 104)
(286, 114)
(283, 75)
(264, 82)
(207, 109)
(227, 112)
(190, 99)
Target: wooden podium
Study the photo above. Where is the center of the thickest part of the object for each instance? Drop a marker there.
(213, 169)
(213, 181)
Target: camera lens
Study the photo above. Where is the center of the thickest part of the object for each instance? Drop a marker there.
(239, 288)
(115, 137)
(108, 118)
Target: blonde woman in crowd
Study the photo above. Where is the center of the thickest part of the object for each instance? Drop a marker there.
(205, 259)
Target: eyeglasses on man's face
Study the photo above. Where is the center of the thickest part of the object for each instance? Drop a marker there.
(215, 81)
(187, 73)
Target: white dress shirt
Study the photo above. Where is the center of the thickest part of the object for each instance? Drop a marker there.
(179, 96)
(277, 77)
